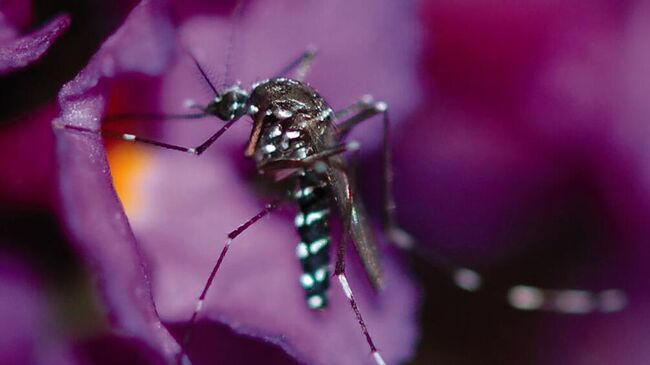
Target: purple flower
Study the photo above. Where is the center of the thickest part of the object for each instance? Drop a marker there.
(180, 207)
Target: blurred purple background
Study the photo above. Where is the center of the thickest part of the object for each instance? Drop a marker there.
(519, 149)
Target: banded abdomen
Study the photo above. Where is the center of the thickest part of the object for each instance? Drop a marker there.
(312, 222)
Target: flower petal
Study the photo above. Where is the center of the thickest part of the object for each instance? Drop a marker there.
(19, 52)
(92, 211)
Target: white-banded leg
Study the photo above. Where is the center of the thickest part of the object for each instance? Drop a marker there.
(182, 357)
(339, 272)
(301, 64)
(521, 297)
(357, 113)
(317, 160)
(566, 301)
(128, 137)
(532, 298)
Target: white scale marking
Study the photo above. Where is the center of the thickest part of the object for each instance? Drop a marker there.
(381, 106)
(526, 297)
(353, 146)
(299, 221)
(269, 148)
(316, 216)
(307, 191)
(199, 306)
(315, 301)
(128, 137)
(304, 192)
(292, 134)
(378, 359)
(320, 274)
(346, 286)
(275, 131)
(324, 114)
(282, 114)
(301, 250)
(307, 281)
(467, 279)
(318, 245)
(301, 152)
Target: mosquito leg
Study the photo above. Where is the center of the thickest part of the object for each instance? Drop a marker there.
(357, 113)
(127, 137)
(532, 298)
(347, 290)
(521, 297)
(182, 358)
(301, 64)
(365, 103)
(312, 160)
(566, 301)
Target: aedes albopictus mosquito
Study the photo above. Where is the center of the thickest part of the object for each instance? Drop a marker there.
(296, 132)
(296, 138)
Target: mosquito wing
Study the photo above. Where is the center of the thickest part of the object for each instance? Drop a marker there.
(355, 220)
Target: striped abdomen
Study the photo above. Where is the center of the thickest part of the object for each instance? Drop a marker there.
(312, 222)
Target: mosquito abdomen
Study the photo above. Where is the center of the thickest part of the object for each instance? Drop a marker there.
(312, 222)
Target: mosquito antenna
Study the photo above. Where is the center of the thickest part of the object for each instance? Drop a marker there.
(236, 17)
(204, 75)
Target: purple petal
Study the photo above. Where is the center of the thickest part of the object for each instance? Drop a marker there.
(19, 52)
(93, 213)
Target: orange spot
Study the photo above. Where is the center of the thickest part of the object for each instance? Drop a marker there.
(128, 165)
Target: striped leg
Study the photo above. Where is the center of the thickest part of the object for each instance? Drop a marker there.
(127, 137)
(347, 290)
(182, 357)
(357, 113)
(312, 160)
(521, 297)
(532, 298)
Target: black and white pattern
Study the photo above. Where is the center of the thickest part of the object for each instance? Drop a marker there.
(312, 222)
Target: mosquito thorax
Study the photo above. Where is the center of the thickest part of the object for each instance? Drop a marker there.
(230, 104)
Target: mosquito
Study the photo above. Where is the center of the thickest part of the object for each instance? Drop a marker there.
(297, 138)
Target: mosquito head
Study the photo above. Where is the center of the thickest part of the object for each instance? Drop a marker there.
(230, 104)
